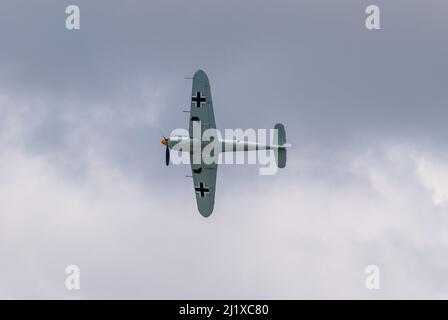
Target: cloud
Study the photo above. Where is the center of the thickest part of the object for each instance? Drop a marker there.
(434, 176)
(82, 178)
(300, 234)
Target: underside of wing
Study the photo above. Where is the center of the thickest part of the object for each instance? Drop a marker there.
(204, 178)
(201, 113)
(201, 103)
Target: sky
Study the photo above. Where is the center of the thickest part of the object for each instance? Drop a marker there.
(82, 174)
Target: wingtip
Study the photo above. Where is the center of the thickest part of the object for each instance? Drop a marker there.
(200, 72)
(206, 212)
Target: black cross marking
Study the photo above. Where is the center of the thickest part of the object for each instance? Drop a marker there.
(202, 189)
(199, 99)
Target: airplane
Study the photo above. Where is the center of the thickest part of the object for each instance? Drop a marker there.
(204, 174)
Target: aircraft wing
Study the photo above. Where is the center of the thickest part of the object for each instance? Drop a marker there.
(204, 179)
(204, 175)
(201, 103)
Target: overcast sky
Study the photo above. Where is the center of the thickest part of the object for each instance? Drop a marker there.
(82, 173)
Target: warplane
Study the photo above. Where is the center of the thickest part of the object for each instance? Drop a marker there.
(203, 172)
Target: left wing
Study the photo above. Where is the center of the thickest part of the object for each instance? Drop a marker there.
(201, 103)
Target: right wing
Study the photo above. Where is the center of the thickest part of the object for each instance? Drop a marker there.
(204, 179)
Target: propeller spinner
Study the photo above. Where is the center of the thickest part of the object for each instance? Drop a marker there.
(167, 152)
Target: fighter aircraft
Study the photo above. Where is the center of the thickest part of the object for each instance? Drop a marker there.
(204, 174)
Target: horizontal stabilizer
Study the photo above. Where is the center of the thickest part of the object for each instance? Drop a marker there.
(280, 134)
(280, 157)
(280, 140)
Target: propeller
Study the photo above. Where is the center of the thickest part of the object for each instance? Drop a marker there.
(167, 152)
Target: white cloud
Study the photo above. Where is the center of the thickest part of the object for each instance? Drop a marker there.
(434, 176)
(287, 236)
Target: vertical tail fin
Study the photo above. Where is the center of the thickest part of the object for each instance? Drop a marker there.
(280, 140)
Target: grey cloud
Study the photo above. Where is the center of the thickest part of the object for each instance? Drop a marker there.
(82, 174)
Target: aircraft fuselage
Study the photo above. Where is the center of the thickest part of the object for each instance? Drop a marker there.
(187, 144)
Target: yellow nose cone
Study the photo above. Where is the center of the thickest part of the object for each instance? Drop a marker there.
(164, 141)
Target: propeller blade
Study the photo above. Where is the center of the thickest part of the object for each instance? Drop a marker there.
(167, 156)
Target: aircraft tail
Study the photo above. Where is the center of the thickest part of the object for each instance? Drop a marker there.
(280, 141)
